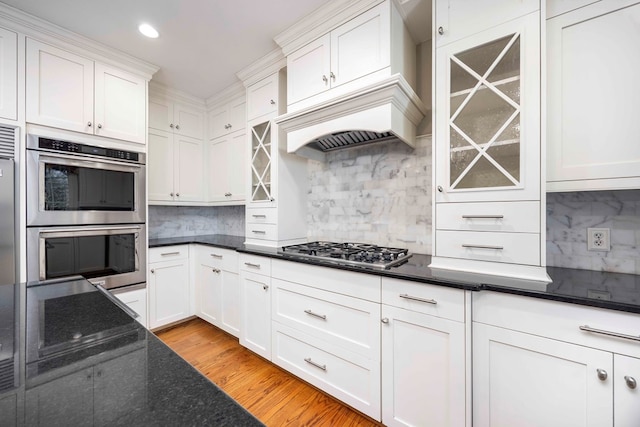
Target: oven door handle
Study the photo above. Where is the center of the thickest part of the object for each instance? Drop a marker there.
(116, 301)
(83, 229)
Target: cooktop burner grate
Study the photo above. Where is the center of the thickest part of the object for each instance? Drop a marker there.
(362, 254)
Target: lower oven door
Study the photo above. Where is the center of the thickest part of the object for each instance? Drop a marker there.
(111, 256)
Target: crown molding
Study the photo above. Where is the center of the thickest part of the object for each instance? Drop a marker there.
(262, 68)
(236, 90)
(160, 90)
(37, 28)
(320, 22)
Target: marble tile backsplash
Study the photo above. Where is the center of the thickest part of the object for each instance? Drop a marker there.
(378, 194)
(176, 221)
(570, 214)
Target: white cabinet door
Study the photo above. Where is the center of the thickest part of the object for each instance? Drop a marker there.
(160, 160)
(168, 288)
(593, 105)
(262, 97)
(136, 300)
(8, 74)
(526, 380)
(189, 169)
(209, 292)
(255, 324)
(308, 70)
(217, 169)
(120, 104)
(462, 18)
(59, 88)
(237, 114)
(188, 121)
(626, 391)
(218, 122)
(231, 307)
(161, 114)
(423, 369)
(237, 172)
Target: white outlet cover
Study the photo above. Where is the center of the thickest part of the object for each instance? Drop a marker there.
(598, 239)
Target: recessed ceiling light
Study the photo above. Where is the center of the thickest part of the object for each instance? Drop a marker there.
(148, 31)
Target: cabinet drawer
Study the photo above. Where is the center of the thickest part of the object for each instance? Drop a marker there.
(559, 320)
(523, 217)
(512, 248)
(351, 323)
(262, 215)
(168, 253)
(261, 231)
(224, 259)
(351, 378)
(434, 300)
(255, 264)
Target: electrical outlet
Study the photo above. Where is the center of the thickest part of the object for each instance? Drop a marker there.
(598, 239)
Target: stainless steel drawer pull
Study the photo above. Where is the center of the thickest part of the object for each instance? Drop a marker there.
(250, 264)
(317, 365)
(259, 231)
(428, 301)
(259, 216)
(319, 316)
(496, 248)
(170, 253)
(483, 216)
(587, 328)
(216, 256)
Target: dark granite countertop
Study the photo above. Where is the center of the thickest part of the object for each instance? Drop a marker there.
(63, 368)
(615, 291)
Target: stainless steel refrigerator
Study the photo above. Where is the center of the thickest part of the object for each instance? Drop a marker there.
(7, 222)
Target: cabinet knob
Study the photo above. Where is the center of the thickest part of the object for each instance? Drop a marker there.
(333, 76)
(153, 271)
(89, 124)
(440, 30)
(178, 127)
(99, 126)
(602, 374)
(171, 125)
(272, 102)
(631, 382)
(265, 287)
(325, 79)
(171, 194)
(385, 320)
(440, 189)
(177, 194)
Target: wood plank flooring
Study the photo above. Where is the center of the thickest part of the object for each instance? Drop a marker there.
(274, 396)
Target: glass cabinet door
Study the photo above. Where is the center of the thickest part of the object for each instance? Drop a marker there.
(261, 162)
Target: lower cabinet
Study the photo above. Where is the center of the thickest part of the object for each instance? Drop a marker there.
(255, 301)
(626, 410)
(168, 285)
(136, 299)
(218, 287)
(424, 355)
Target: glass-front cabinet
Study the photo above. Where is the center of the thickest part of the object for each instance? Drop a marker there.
(261, 162)
(488, 126)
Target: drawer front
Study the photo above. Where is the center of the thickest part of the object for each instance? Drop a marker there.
(255, 264)
(262, 215)
(349, 322)
(168, 253)
(434, 300)
(560, 321)
(224, 259)
(522, 217)
(512, 248)
(261, 231)
(349, 378)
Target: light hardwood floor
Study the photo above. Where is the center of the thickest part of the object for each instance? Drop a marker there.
(274, 396)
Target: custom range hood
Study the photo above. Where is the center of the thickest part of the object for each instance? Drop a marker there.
(388, 110)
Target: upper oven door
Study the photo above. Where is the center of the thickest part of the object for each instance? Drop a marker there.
(70, 190)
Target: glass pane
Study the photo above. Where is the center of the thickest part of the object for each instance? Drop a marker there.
(460, 79)
(460, 160)
(484, 174)
(480, 58)
(509, 65)
(258, 134)
(261, 194)
(506, 150)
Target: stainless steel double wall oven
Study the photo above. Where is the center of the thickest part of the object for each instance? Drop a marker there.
(85, 212)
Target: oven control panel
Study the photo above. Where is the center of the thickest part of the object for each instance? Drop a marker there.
(73, 147)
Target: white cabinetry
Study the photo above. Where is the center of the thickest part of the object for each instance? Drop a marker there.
(552, 366)
(367, 48)
(227, 118)
(136, 299)
(8, 74)
(176, 118)
(168, 285)
(424, 355)
(217, 286)
(326, 330)
(68, 91)
(487, 150)
(255, 301)
(592, 97)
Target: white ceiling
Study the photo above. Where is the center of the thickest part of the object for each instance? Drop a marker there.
(202, 43)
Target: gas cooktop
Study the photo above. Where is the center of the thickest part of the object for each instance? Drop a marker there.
(361, 254)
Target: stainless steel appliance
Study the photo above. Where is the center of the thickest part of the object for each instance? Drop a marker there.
(73, 183)
(358, 254)
(7, 223)
(108, 255)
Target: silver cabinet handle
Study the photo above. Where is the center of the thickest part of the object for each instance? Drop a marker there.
(319, 316)
(317, 365)
(324, 78)
(89, 124)
(440, 189)
(228, 194)
(602, 374)
(171, 194)
(216, 256)
(483, 216)
(215, 270)
(250, 264)
(259, 216)
(428, 301)
(495, 248)
(258, 231)
(265, 287)
(440, 30)
(170, 253)
(177, 194)
(587, 328)
(153, 271)
(178, 127)
(385, 320)
(333, 76)
(272, 102)
(99, 125)
(226, 126)
(631, 382)
(171, 125)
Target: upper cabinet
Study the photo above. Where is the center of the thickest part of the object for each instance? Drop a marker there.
(68, 91)
(227, 117)
(264, 97)
(363, 50)
(176, 118)
(593, 103)
(8, 74)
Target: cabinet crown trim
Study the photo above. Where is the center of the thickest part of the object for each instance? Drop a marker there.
(234, 91)
(262, 68)
(159, 90)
